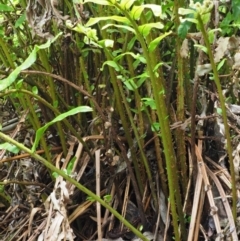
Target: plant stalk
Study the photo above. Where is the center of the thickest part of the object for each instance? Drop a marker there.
(224, 115)
(159, 96)
(74, 182)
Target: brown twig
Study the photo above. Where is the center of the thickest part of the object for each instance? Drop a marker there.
(14, 158)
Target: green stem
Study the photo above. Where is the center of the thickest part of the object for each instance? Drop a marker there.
(54, 110)
(159, 96)
(87, 82)
(74, 182)
(180, 134)
(138, 139)
(44, 60)
(224, 116)
(125, 123)
(7, 55)
(36, 123)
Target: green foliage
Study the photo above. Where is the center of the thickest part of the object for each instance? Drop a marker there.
(5, 83)
(226, 25)
(20, 20)
(219, 111)
(136, 58)
(153, 44)
(41, 130)
(184, 27)
(5, 8)
(235, 11)
(70, 165)
(107, 198)
(69, 169)
(9, 147)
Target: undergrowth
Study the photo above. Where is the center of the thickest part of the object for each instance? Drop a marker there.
(121, 89)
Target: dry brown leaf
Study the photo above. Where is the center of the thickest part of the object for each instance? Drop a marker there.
(40, 13)
(224, 209)
(236, 61)
(58, 227)
(33, 212)
(222, 47)
(148, 235)
(236, 161)
(233, 43)
(184, 49)
(203, 69)
(106, 239)
(164, 209)
(234, 108)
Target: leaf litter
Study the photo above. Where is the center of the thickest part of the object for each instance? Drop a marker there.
(40, 209)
